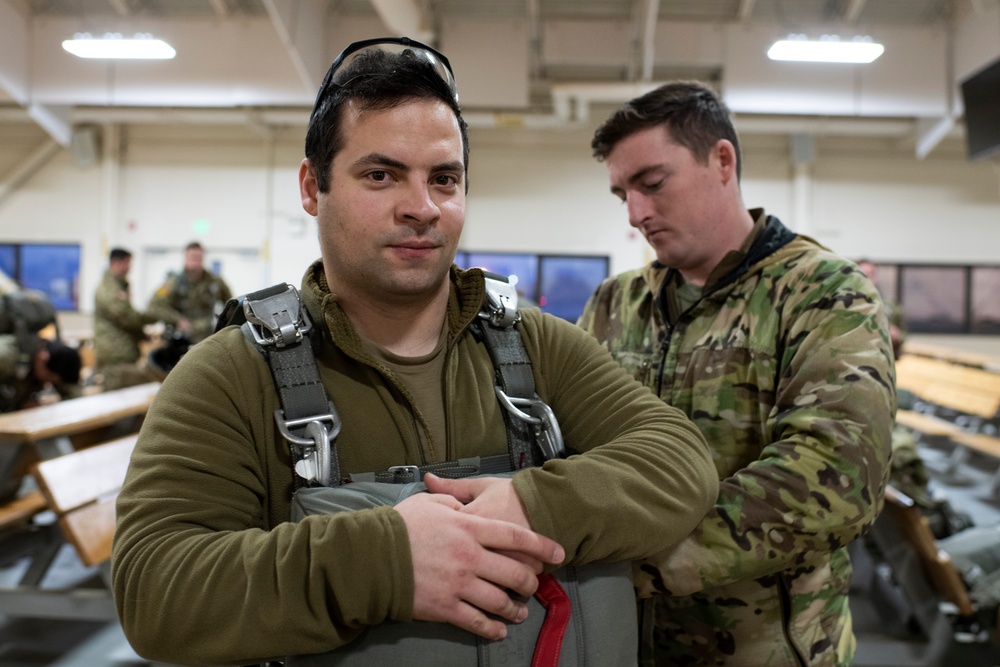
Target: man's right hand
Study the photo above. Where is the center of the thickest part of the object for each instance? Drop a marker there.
(458, 574)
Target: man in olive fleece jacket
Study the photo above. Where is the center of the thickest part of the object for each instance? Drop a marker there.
(207, 567)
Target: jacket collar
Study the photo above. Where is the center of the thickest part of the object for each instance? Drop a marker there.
(465, 300)
(771, 237)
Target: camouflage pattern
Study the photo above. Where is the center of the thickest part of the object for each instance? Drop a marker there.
(14, 367)
(199, 300)
(19, 388)
(786, 367)
(117, 325)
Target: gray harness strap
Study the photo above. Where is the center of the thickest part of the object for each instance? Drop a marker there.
(275, 320)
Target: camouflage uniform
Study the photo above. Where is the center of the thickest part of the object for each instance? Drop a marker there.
(183, 296)
(785, 366)
(17, 384)
(117, 334)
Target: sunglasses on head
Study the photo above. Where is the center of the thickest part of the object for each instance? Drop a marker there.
(339, 74)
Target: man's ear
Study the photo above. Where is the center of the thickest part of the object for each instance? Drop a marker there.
(308, 188)
(725, 153)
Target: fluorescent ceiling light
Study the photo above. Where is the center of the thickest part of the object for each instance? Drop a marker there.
(827, 49)
(113, 45)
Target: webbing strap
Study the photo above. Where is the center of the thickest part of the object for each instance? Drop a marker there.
(297, 380)
(558, 609)
(478, 465)
(513, 375)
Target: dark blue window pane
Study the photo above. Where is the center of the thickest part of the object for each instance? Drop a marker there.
(567, 282)
(8, 260)
(53, 269)
(522, 265)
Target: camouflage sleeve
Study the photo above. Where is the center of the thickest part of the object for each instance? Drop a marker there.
(10, 352)
(818, 484)
(161, 306)
(113, 304)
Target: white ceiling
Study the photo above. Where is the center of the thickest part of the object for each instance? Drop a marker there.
(531, 63)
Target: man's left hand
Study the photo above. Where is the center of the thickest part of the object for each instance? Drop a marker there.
(488, 497)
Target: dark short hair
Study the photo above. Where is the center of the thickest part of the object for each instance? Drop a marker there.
(376, 81)
(64, 361)
(690, 110)
(118, 254)
(194, 245)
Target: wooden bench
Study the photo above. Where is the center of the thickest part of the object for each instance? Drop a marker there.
(972, 359)
(59, 428)
(972, 391)
(80, 488)
(926, 586)
(937, 565)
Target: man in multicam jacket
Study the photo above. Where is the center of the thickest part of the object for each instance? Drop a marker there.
(778, 350)
(118, 327)
(189, 300)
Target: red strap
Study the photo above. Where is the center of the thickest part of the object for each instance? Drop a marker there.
(557, 612)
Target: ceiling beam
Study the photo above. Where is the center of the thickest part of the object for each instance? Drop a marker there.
(221, 8)
(642, 39)
(853, 10)
(302, 27)
(28, 167)
(405, 18)
(14, 57)
(534, 40)
(649, 38)
(121, 7)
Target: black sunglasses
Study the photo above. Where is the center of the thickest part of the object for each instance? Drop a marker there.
(336, 75)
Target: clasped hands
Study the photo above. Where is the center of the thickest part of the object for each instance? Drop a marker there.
(471, 542)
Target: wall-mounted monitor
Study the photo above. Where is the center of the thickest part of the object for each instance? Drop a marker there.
(981, 96)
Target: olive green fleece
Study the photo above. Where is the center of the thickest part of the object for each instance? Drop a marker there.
(206, 566)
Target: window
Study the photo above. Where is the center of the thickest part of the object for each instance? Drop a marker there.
(985, 305)
(52, 268)
(558, 284)
(567, 282)
(945, 299)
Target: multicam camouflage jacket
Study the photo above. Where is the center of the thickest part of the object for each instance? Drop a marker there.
(785, 366)
(117, 325)
(181, 295)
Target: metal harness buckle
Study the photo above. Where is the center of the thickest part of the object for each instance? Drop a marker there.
(543, 422)
(279, 320)
(314, 465)
(501, 306)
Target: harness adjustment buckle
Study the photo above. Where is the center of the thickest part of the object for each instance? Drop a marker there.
(544, 425)
(315, 446)
(500, 308)
(279, 320)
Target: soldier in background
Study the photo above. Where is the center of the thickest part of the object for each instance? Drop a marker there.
(778, 350)
(118, 328)
(189, 300)
(30, 366)
(29, 363)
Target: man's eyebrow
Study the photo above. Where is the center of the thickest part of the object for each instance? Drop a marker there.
(448, 166)
(639, 175)
(636, 177)
(380, 160)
